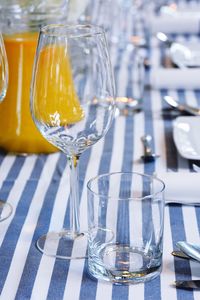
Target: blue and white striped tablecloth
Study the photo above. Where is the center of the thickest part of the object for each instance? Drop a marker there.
(38, 189)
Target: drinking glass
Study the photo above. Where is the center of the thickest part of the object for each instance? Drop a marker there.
(72, 105)
(3, 70)
(5, 208)
(126, 218)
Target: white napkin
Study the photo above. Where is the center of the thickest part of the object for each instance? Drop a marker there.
(181, 187)
(175, 78)
(76, 8)
(178, 23)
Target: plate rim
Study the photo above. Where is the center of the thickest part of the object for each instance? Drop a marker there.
(177, 143)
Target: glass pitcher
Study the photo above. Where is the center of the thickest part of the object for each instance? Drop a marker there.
(19, 23)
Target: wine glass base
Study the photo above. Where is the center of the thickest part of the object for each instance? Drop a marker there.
(63, 245)
(127, 106)
(5, 210)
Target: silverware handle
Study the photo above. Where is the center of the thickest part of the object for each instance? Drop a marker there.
(147, 145)
(190, 109)
(188, 284)
(180, 254)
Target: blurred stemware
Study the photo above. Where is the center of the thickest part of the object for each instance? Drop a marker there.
(3, 70)
(72, 105)
(5, 208)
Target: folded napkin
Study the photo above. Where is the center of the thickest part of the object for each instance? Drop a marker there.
(76, 9)
(161, 78)
(183, 188)
(178, 23)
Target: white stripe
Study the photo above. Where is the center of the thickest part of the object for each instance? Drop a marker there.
(17, 191)
(190, 221)
(190, 98)
(45, 269)
(6, 165)
(25, 237)
(118, 145)
(138, 165)
(168, 273)
(104, 291)
(137, 291)
(123, 73)
(155, 57)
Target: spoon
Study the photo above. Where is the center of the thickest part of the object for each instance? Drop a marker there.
(162, 37)
(186, 284)
(148, 152)
(181, 55)
(189, 249)
(182, 107)
(196, 168)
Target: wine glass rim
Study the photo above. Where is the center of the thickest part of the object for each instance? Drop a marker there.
(88, 30)
(151, 195)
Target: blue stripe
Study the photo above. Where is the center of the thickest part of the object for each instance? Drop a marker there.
(123, 234)
(197, 210)
(8, 246)
(27, 281)
(171, 151)
(152, 289)
(2, 156)
(197, 95)
(176, 217)
(182, 266)
(126, 167)
(11, 177)
(61, 267)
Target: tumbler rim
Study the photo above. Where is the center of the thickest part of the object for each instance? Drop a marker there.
(152, 195)
(84, 30)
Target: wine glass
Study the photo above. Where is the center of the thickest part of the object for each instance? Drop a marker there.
(3, 70)
(5, 208)
(72, 105)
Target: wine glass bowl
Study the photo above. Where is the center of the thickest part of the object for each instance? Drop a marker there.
(72, 105)
(3, 70)
(5, 208)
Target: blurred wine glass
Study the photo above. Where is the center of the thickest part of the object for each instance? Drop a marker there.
(72, 105)
(3, 70)
(5, 208)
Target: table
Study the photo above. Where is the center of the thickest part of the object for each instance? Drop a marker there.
(38, 189)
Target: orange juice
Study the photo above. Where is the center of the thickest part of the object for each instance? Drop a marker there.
(18, 132)
(55, 99)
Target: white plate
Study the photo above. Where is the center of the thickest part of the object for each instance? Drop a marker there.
(184, 55)
(186, 136)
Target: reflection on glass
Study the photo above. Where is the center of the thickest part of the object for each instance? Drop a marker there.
(5, 208)
(3, 70)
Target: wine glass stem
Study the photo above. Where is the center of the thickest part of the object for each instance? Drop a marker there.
(74, 195)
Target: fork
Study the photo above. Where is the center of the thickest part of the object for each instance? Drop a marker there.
(148, 152)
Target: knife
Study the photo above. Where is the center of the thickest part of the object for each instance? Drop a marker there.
(188, 284)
